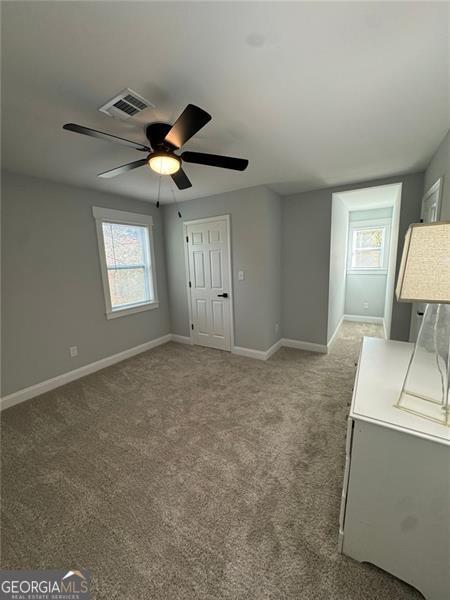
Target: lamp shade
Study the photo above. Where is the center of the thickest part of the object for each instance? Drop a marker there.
(425, 267)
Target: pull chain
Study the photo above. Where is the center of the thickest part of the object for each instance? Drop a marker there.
(175, 202)
(159, 192)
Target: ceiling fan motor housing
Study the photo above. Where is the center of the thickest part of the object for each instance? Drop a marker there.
(156, 132)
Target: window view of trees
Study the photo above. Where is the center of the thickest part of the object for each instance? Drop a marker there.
(127, 263)
(367, 248)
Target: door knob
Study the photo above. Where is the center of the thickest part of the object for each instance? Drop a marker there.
(224, 295)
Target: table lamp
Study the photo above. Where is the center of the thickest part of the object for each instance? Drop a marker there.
(425, 277)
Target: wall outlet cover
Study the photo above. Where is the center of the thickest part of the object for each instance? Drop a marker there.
(241, 275)
(73, 351)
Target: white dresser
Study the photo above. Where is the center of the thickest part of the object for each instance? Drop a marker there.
(395, 510)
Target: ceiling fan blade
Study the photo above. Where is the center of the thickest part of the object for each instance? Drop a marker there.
(181, 180)
(191, 120)
(105, 136)
(123, 169)
(214, 160)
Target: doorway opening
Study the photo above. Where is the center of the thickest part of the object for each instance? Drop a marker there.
(363, 256)
(209, 282)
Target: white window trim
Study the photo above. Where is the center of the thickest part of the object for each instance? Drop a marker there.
(109, 215)
(375, 223)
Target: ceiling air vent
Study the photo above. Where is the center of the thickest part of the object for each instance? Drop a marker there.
(125, 105)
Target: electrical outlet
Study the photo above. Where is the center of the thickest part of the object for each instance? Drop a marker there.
(277, 327)
(366, 306)
(73, 351)
(241, 275)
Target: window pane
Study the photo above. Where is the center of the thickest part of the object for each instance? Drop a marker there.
(127, 262)
(128, 286)
(366, 259)
(124, 244)
(368, 238)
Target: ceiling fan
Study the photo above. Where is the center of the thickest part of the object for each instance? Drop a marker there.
(164, 139)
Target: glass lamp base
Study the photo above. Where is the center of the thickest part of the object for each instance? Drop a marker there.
(425, 391)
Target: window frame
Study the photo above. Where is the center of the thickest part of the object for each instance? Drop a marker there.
(109, 215)
(361, 226)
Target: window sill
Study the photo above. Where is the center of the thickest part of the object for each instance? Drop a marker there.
(366, 271)
(131, 310)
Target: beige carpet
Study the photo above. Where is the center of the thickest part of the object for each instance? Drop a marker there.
(188, 473)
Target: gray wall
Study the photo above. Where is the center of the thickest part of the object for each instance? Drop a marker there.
(255, 249)
(440, 167)
(306, 258)
(361, 288)
(51, 282)
(272, 256)
(305, 265)
(338, 256)
(366, 287)
(371, 213)
(50, 256)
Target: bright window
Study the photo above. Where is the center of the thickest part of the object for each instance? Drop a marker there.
(126, 256)
(368, 246)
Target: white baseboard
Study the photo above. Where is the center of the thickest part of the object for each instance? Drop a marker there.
(273, 348)
(249, 352)
(258, 354)
(364, 319)
(55, 382)
(180, 339)
(333, 337)
(59, 380)
(311, 347)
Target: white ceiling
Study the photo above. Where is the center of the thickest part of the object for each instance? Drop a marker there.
(313, 94)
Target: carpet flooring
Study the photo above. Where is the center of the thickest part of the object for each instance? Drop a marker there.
(188, 473)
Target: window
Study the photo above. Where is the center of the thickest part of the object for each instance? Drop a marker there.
(368, 247)
(127, 258)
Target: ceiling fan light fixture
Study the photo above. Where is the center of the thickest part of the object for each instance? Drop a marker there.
(164, 163)
(163, 141)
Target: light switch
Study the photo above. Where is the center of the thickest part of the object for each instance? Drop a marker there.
(241, 275)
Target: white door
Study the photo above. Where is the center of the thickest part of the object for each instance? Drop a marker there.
(209, 277)
(429, 214)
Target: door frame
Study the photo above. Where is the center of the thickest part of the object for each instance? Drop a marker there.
(186, 224)
(437, 186)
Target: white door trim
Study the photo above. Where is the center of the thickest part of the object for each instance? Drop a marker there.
(230, 271)
(436, 187)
